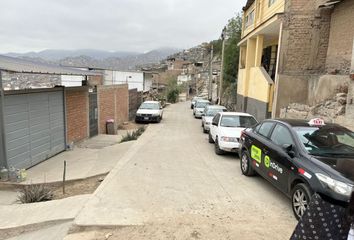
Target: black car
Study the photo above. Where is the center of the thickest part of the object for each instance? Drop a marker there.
(300, 158)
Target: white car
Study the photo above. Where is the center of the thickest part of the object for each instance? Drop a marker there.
(199, 106)
(194, 99)
(226, 128)
(149, 111)
(209, 112)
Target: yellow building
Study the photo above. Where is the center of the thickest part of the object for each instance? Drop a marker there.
(258, 56)
(293, 51)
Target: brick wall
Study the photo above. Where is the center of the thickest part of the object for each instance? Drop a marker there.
(305, 38)
(77, 113)
(112, 104)
(341, 38)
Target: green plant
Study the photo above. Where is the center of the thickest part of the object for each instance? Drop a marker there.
(35, 193)
(173, 90)
(134, 135)
(172, 95)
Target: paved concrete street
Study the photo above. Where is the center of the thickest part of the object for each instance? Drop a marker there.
(171, 185)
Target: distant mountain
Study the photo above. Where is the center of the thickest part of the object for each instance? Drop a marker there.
(96, 58)
(56, 54)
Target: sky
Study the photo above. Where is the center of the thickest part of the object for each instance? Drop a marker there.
(113, 25)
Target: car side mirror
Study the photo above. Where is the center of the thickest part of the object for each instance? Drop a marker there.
(215, 124)
(160, 107)
(289, 149)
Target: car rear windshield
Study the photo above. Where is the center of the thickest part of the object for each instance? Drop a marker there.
(238, 121)
(213, 112)
(324, 141)
(201, 104)
(152, 106)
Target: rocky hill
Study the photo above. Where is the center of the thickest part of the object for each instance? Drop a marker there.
(97, 58)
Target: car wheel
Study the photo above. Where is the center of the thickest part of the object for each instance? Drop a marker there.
(218, 151)
(210, 138)
(245, 163)
(159, 119)
(300, 199)
(204, 130)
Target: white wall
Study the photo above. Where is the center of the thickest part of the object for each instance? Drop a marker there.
(71, 81)
(183, 78)
(148, 85)
(134, 79)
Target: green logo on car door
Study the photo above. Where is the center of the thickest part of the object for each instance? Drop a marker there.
(256, 154)
(267, 161)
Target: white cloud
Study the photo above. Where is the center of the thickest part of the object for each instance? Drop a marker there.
(132, 25)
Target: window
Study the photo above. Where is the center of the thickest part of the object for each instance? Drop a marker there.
(326, 140)
(146, 105)
(265, 129)
(281, 135)
(237, 121)
(216, 119)
(201, 104)
(257, 127)
(213, 112)
(249, 19)
(271, 2)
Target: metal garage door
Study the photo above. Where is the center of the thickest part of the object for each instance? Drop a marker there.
(34, 127)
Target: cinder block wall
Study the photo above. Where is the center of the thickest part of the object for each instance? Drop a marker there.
(113, 103)
(77, 113)
(135, 100)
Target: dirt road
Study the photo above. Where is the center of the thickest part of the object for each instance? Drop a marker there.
(173, 186)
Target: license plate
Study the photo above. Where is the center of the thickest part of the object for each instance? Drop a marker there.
(146, 118)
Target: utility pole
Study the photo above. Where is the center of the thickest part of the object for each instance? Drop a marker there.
(222, 64)
(210, 92)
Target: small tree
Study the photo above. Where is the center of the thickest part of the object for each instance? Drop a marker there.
(173, 90)
(232, 51)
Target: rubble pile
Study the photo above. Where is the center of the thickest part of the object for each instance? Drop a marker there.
(328, 110)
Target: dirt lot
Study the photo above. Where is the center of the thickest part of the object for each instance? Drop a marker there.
(72, 188)
(78, 187)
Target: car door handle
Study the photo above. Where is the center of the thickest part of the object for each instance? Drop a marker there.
(265, 151)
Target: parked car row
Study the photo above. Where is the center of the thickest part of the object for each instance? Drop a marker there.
(224, 128)
(298, 157)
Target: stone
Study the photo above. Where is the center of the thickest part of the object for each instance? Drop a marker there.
(342, 100)
(328, 103)
(341, 110)
(341, 95)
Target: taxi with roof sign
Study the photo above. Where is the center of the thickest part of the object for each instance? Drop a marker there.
(300, 158)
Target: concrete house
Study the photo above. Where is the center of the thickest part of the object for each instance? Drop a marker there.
(293, 51)
(38, 123)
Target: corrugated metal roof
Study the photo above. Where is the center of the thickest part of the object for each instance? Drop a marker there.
(18, 65)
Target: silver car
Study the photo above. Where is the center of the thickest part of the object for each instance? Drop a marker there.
(199, 106)
(194, 100)
(209, 112)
